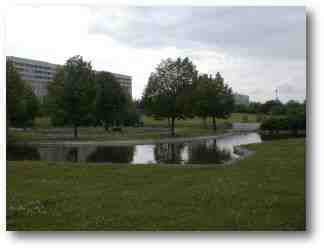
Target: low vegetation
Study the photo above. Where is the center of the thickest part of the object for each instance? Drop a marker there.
(264, 191)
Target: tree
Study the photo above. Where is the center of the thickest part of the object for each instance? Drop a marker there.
(15, 91)
(79, 92)
(274, 107)
(54, 103)
(168, 88)
(200, 97)
(213, 98)
(111, 101)
(22, 103)
(32, 105)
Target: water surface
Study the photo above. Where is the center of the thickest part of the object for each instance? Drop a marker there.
(195, 152)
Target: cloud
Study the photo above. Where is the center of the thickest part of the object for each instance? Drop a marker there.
(256, 49)
(248, 31)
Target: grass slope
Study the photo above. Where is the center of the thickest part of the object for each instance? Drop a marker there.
(264, 191)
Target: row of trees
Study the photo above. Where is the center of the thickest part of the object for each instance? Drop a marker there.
(22, 103)
(175, 90)
(293, 118)
(79, 96)
(271, 107)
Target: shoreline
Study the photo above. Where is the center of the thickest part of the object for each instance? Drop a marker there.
(129, 142)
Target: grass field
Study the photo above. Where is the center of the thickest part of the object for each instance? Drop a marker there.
(264, 191)
(153, 129)
(197, 122)
(44, 122)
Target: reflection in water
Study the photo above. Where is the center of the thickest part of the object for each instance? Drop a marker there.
(168, 153)
(207, 153)
(72, 155)
(22, 152)
(197, 151)
(113, 154)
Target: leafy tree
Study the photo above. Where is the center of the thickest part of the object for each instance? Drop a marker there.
(22, 103)
(293, 107)
(131, 115)
(32, 105)
(15, 91)
(168, 88)
(111, 101)
(79, 92)
(213, 98)
(274, 107)
(54, 103)
(200, 97)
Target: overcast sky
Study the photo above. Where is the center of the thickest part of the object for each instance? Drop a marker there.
(256, 49)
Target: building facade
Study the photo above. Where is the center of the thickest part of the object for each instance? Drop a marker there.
(39, 73)
(241, 99)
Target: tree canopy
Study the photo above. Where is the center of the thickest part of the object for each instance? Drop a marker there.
(168, 88)
(111, 100)
(22, 103)
(212, 98)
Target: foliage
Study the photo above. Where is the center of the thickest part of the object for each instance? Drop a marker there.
(292, 122)
(111, 100)
(54, 103)
(212, 98)
(168, 88)
(132, 116)
(22, 103)
(71, 94)
(79, 92)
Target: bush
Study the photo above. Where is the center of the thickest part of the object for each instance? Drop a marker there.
(260, 118)
(132, 119)
(292, 123)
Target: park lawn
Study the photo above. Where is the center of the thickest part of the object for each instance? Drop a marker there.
(153, 129)
(264, 191)
(197, 122)
(45, 123)
(99, 134)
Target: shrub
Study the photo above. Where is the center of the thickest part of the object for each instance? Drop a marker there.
(292, 123)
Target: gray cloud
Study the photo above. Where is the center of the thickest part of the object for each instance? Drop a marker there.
(248, 31)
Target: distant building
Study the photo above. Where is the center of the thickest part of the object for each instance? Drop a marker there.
(39, 73)
(241, 99)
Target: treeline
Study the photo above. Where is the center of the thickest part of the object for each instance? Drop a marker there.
(271, 107)
(78, 96)
(292, 117)
(176, 90)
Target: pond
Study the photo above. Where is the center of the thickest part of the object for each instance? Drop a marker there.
(202, 151)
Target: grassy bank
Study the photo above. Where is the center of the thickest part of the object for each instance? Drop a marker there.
(99, 134)
(153, 129)
(264, 191)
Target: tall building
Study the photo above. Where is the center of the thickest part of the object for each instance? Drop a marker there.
(39, 73)
(241, 99)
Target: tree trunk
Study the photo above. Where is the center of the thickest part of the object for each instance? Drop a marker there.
(205, 122)
(172, 127)
(214, 123)
(75, 131)
(106, 127)
(169, 125)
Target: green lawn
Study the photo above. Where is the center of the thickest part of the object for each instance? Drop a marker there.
(197, 122)
(44, 122)
(153, 129)
(264, 191)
